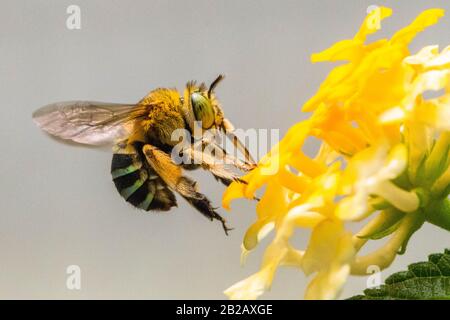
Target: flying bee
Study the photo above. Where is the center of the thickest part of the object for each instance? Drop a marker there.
(142, 168)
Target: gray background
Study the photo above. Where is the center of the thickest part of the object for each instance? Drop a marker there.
(58, 204)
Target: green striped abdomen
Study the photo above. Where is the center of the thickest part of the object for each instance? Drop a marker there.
(137, 183)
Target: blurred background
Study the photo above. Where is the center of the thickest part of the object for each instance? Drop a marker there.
(58, 205)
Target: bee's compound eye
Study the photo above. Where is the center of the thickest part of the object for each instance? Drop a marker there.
(203, 110)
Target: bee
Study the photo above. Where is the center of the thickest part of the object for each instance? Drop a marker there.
(143, 170)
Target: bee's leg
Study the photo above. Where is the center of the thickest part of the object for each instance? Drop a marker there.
(220, 154)
(203, 205)
(213, 162)
(229, 159)
(190, 167)
(172, 175)
(228, 128)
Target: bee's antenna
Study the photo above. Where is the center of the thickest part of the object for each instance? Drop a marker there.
(214, 84)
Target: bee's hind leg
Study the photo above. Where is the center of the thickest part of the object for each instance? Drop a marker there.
(202, 204)
(172, 175)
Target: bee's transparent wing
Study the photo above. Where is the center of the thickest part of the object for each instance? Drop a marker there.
(87, 122)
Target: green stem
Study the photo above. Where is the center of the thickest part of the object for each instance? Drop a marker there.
(438, 213)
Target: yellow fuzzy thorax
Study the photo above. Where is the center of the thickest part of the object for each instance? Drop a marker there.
(164, 115)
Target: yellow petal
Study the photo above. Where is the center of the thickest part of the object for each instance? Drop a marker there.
(257, 231)
(234, 191)
(392, 115)
(322, 245)
(372, 22)
(435, 113)
(329, 252)
(304, 217)
(419, 138)
(252, 287)
(343, 50)
(406, 201)
(354, 207)
(306, 165)
(327, 284)
(425, 19)
(296, 183)
(353, 49)
(395, 163)
(274, 202)
(422, 58)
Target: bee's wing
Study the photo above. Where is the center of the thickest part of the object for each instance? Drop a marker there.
(87, 122)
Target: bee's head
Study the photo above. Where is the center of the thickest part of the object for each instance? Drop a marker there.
(205, 107)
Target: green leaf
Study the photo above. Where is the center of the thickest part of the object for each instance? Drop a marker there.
(423, 281)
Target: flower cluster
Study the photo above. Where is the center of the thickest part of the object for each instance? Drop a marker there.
(383, 119)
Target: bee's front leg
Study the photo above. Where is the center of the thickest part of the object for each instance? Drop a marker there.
(214, 162)
(172, 175)
(228, 128)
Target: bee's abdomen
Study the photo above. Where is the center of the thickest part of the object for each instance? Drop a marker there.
(137, 183)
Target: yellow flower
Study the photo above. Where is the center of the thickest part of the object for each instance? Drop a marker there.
(329, 253)
(384, 155)
(370, 172)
